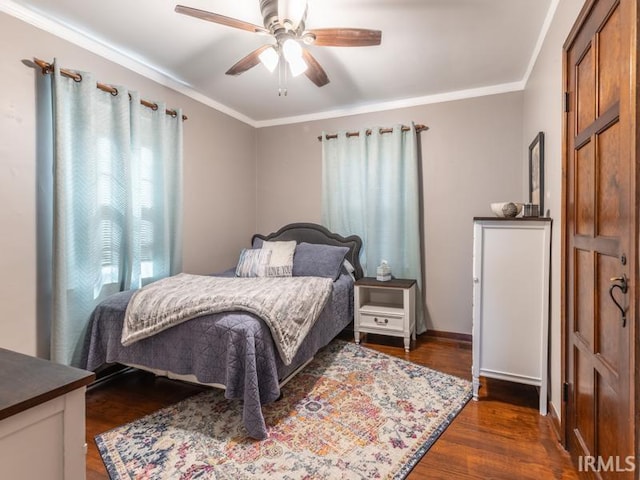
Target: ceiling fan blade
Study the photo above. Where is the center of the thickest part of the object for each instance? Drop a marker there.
(247, 62)
(346, 37)
(221, 19)
(314, 71)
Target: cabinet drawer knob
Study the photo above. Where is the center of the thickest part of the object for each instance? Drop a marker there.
(384, 321)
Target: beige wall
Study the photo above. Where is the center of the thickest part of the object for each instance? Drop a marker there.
(219, 170)
(543, 112)
(471, 156)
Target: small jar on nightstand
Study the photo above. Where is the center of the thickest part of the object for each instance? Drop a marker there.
(385, 308)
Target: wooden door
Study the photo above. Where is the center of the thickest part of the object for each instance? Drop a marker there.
(599, 239)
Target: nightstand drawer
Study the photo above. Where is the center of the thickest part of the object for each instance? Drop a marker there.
(386, 322)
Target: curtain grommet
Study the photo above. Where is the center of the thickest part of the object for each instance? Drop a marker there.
(49, 68)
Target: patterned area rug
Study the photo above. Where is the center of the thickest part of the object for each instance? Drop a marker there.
(351, 413)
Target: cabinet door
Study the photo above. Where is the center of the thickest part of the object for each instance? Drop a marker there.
(53, 433)
(512, 283)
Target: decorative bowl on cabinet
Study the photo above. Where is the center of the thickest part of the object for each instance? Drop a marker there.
(506, 209)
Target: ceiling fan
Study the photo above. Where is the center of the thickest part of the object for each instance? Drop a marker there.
(284, 20)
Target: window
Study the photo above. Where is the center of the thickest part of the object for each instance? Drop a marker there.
(112, 215)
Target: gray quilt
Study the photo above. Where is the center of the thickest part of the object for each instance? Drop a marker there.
(234, 349)
(288, 305)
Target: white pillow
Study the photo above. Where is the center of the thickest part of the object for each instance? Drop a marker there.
(349, 269)
(281, 261)
(253, 263)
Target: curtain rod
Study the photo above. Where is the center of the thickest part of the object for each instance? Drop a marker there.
(419, 128)
(48, 68)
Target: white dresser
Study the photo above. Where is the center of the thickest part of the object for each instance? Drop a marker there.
(42, 419)
(511, 301)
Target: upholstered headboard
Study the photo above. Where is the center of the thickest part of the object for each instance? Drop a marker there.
(314, 233)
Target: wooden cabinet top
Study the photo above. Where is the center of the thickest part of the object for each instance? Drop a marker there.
(27, 381)
(393, 283)
(512, 219)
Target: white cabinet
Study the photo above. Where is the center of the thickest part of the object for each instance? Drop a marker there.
(42, 419)
(386, 308)
(511, 301)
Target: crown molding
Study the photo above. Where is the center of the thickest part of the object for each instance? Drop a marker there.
(429, 99)
(544, 30)
(123, 58)
(396, 104)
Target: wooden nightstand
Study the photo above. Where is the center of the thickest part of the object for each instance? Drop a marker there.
(386, 308)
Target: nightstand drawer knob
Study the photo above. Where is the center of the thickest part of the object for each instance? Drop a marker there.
(383, 321)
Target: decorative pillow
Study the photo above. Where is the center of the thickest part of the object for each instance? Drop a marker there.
(281, 262)
(253, 263)
(348, 269)
(315, 260)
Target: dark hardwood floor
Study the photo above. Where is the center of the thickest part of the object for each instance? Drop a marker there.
(501, 436)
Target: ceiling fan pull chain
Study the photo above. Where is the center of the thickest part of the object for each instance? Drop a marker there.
(282, 74)
(286, 78)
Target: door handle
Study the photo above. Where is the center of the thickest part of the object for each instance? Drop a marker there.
(623, 284)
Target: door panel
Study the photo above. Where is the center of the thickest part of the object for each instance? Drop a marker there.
(585, 179)
(584, 393)
(600, 238)
(585, 88)
(611, 183)
(608, 431)
(583, 303)
(608, 61)
(607, 346)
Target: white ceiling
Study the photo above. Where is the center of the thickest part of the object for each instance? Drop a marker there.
(431, 49)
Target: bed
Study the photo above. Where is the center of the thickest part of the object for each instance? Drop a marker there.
(232, 350)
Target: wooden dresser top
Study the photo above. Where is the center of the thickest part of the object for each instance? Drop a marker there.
(27, 381)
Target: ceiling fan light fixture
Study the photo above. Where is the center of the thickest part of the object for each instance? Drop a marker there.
(292, 52)
(269, 58)
(297, 66)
